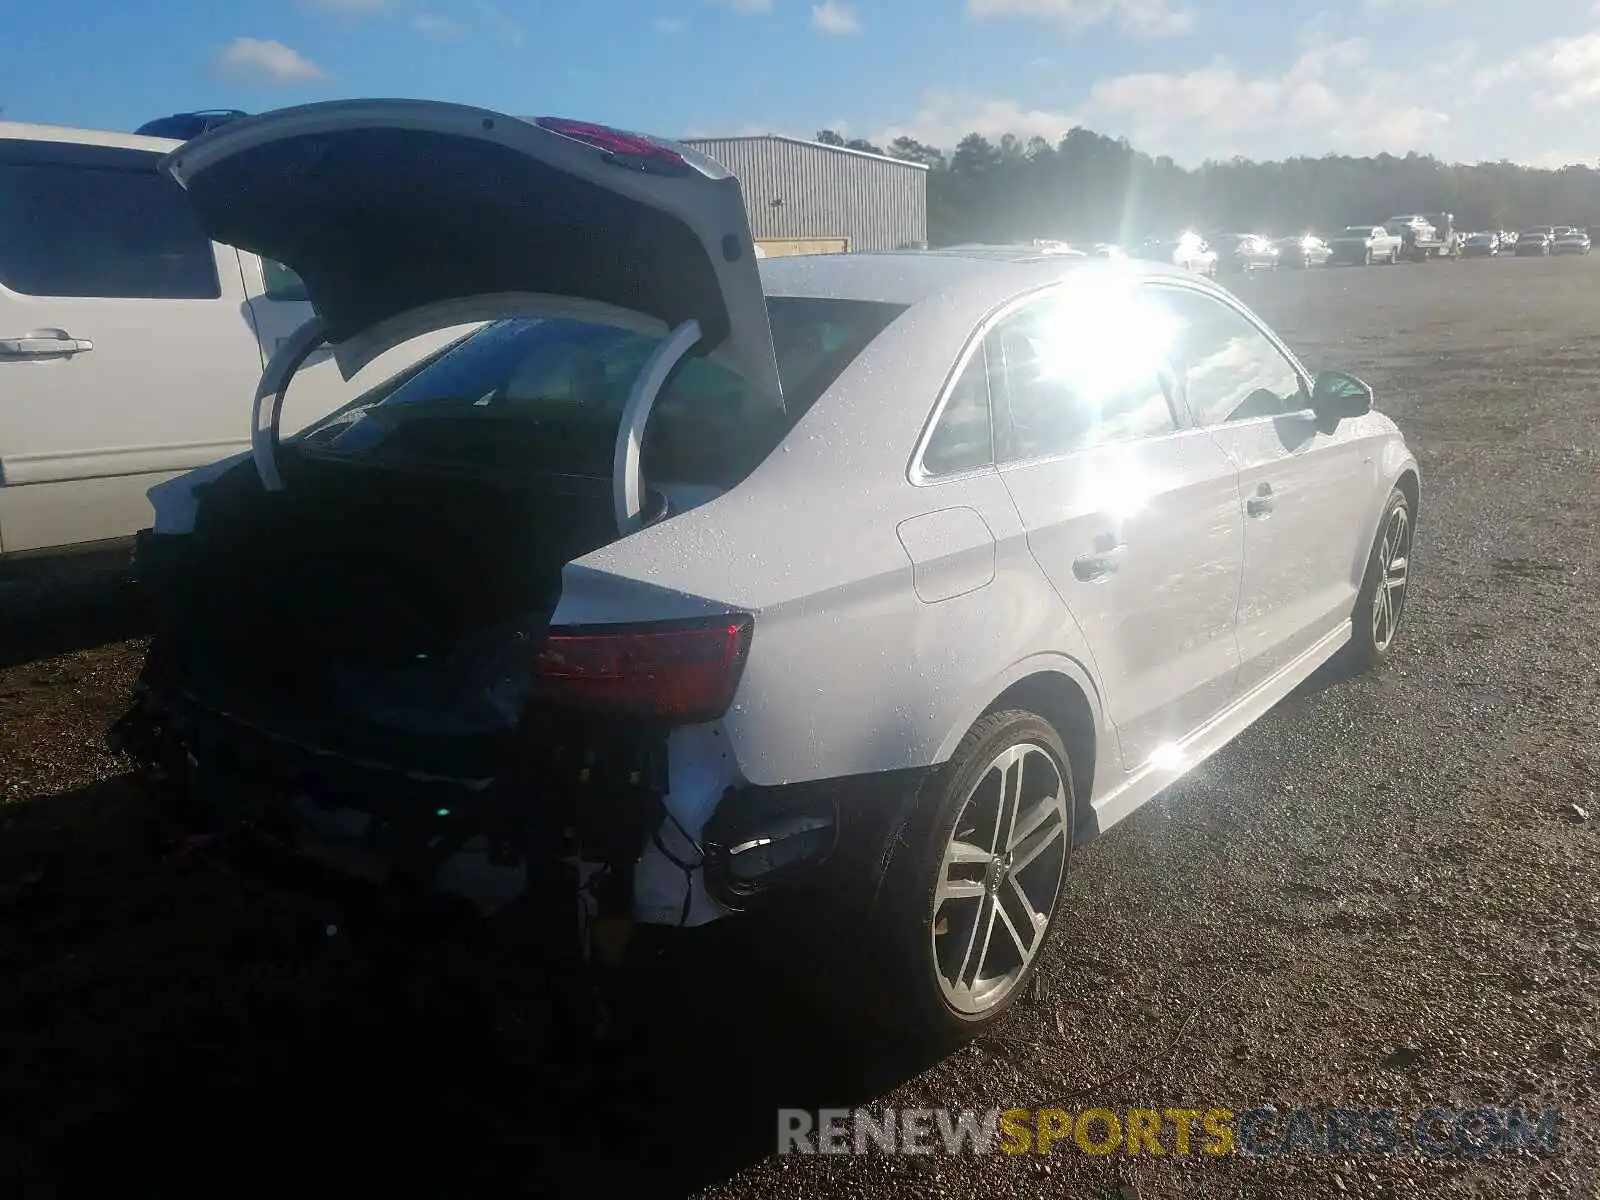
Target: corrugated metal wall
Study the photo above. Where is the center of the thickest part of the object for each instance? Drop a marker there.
(879, 204)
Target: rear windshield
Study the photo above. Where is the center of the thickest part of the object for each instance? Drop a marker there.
(546, 397)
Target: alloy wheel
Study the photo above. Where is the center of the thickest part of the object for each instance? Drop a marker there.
(1394, 555)
(1000, 878)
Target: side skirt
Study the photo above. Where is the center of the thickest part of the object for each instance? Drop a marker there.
(1149, 780)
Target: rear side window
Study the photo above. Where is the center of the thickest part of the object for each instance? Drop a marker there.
(77, 230)
(546, 396)
(963, 440)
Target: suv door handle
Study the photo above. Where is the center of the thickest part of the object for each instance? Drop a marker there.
(1260, 505)
(1102, 563)
(43, 347)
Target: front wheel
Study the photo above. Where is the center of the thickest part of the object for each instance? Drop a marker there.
(1367, 261)
(972, 896)
(1375, 622)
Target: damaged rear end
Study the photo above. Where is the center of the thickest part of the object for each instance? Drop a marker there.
(366, 656)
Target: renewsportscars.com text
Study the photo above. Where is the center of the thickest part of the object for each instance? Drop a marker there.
(1258, 1132)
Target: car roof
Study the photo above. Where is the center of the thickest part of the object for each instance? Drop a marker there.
(18, 131)
(909, 276)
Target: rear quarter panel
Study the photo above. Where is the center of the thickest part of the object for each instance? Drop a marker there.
(850, 671)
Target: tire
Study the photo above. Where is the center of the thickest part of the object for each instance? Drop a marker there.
(1367, 262)
(1372, 631)
(926, 946)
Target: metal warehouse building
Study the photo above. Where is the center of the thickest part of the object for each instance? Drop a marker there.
(807, 197)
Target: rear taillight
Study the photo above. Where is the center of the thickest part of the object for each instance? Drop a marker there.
(626, 149)
(684, 672)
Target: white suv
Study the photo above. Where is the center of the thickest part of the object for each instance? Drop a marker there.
(130, 344)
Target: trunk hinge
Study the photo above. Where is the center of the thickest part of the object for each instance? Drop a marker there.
(268, 410)
(627, 477)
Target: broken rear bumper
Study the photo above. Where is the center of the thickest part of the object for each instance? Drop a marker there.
(328, 831)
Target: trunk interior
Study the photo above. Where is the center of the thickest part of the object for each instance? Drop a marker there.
(387, 614)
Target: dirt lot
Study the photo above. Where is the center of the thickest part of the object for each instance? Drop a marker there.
(1384, 895)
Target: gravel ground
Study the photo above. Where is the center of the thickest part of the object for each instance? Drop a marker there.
(1381, 896)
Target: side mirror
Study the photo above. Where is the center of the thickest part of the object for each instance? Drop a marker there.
(1337, 395)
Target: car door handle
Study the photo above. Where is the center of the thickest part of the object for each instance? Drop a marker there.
(1260, 505)
(43, 347)
(1100, 564)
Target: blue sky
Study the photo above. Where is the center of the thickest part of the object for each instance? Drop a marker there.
(1468, 79)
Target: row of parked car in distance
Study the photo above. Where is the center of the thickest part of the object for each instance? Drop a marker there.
(1407, 238)
(1541, 240)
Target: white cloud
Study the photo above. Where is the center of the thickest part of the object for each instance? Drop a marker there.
(746, 6)
(670, 25)
(1560, 75)
(1530, 101)
(435, 26)
(832, 19)
(1329, 99)
(259, 61)
(1152, 18)
(947, 117)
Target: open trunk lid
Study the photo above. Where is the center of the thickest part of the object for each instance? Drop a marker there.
(390, 208)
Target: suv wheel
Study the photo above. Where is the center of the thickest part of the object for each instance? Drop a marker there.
(974, 891)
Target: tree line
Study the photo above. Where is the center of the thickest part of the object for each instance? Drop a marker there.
(1091, 188)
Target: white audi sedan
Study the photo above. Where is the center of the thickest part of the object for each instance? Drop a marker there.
(864, 584)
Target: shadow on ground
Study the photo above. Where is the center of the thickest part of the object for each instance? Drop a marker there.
(41, 619)
(1334, 673)
(146, 1044)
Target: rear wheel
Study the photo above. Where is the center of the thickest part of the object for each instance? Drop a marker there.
(1375, 623)
(973, 895)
